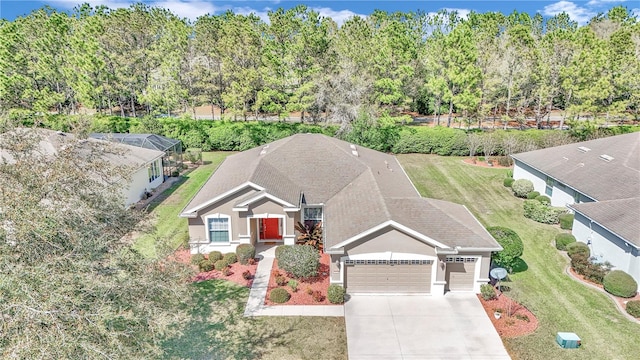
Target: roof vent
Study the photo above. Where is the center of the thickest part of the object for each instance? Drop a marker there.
(583, 149)
(606, 158)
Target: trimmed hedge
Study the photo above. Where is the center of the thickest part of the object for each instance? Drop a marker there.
(532, 195)
(619, 283)
(279, 295)
(563, 239)
(633, 308)
(299, 260)
(566, 221)
(215, 256)
(230, 258)
(206, 265)
(220, 264)
(335, 294)
(522, 187)
(245, 252)
(431, 140)
(543, 199)
(537, 211)
(196, 259)
(578, 248)
(511, 243)
(508, 182)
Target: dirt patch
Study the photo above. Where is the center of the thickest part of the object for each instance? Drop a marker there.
(235, 275)
(476, 162)
(306, 287)
(515, 320)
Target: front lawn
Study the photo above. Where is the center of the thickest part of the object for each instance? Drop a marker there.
(218, 330)
(559, 302)
(167, 229)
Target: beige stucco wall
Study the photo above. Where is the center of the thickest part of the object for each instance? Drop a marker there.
(389, 239)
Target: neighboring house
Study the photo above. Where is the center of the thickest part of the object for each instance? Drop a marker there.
(172, 148)
(145, 164)
(382, 236)
(600, 181)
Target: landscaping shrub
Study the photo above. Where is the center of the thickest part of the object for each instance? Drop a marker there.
(596, 272)
(543, 199)
(317, 296)
(508, 182)
(220, 264)
(279, 250)
(281, 280)
(522, 187)
(231, 258)
(564, 239)
(251, 261)
(293, 284)
(505, 161)
(279, 295)
(566, 221)
(578, 248)
(487, 291)
(215, 256)
(579, 262)
(537, 211)
(226, 271)
(335, 294)
(532, 195)
(431, 140)
(512, 246)
(619, 283)
(206, 265)
(196, 259)
(245, 252)
(246, 275)
(633, 308)
(299, 260)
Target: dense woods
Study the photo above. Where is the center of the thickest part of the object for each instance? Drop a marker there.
(144, 60)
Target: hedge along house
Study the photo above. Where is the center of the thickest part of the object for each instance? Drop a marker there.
(172, 148)
(382, 236)
(599, 180)
(137, 162)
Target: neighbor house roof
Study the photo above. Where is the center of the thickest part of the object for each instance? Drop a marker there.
(147, 141)
(603, 169)
(360, 189)
(50, 142)
(621, 217)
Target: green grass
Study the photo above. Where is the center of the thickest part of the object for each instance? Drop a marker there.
(559, 302)
(218, 330)
(167, 229)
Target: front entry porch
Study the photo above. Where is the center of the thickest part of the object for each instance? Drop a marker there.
(267, 229)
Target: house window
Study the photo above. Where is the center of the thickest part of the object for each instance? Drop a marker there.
(549, 188)
(312, 216)
(154, 171)
(219, 228)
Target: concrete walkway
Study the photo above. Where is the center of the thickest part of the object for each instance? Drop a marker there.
(454, 326)
(255, 304)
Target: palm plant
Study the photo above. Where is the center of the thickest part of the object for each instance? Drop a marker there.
(310, 235)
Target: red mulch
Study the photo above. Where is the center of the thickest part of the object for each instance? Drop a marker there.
(619, 300)
(484, 163)
(509, 326)
(301, 297)
(184, 256)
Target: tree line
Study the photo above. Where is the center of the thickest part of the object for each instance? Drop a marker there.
(146, 60)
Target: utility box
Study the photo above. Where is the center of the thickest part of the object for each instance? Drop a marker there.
(568, 340)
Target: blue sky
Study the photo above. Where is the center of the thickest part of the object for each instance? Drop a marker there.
(580, 11)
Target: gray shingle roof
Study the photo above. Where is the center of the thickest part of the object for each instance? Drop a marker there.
(587, 172)
(359, 187)
(621, 216)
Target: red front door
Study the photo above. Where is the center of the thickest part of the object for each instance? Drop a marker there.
(271, 228)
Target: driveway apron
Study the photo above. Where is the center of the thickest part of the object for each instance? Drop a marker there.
(454, 326)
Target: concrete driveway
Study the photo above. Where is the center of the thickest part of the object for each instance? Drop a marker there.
(420, 327)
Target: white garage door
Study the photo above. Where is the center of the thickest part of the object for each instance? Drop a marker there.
(388, 276)
(460, 273)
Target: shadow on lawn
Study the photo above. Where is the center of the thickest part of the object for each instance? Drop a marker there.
(165, 194)
(217, 329)
(519, 266)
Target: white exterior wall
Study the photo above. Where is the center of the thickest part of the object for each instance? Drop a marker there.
(139, 182)
(524, 171)
(613, 249)
(562, 195)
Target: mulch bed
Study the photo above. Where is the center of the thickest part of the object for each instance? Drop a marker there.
(470, 161)
(619, 300)
(520, 322)
(305, 286)
(184, 256)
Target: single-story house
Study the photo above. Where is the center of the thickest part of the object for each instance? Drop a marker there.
(145, 165)
(599, 180)
(382, 236)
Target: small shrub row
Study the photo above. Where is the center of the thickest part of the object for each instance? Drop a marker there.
(279, 295)
(299, 260)
(619, 283)
(508, 182)
(215, 256)
(542, 213)
(220, 265)
(231, 258)
(245, 252)
(582, 264)
(543, 199)
(633, 308)
(578, 248)
(335, 294)
(196, 259)
(566, 221)
(487, 292)
(522, 187)
(206, 265)
(564, 239)
(533, 195)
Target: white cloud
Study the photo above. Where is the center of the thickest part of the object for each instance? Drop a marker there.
(339, 16)
(186, 9)
(582, 15)
(636, 12)
(603, 2)
(245, 10)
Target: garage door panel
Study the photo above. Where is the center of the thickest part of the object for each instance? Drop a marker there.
(385, 278)
(460, 276)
